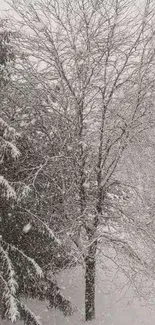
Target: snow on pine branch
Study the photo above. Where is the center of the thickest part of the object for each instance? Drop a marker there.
(12, 283)
(36, 266)
(8, 137)
(8, 131)
(49, 230)
(15, 153)
(28, 316)
(11, 302)
(9, 190)
(11, 287)
(12, 306)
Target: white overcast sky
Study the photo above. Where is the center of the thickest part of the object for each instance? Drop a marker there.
(3, 5)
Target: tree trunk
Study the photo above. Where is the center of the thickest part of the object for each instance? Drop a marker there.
(90, 262)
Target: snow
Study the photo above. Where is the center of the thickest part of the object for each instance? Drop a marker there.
(27, 228)
(114, 304)
(13, 313)
(10, 287)
(36, 266)
(9, 190)
(14, 150)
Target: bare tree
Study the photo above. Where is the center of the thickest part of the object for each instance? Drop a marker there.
(89, 65)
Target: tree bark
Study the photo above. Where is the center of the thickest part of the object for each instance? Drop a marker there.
(90, 262)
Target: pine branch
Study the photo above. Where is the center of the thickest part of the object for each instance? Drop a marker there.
(29, 259)
(27, 315)
(49, 230)
(9, 190)
(10, 288)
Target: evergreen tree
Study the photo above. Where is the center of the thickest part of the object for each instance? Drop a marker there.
(26, 254)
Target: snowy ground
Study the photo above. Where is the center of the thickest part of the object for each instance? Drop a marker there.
(115, 304)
